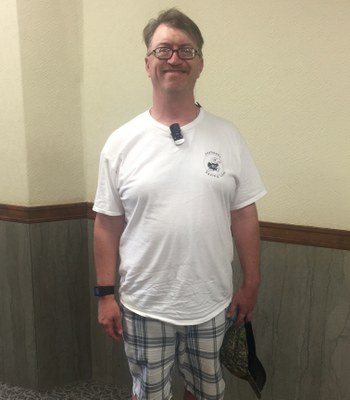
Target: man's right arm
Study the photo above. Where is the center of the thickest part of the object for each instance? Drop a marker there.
(107, 233)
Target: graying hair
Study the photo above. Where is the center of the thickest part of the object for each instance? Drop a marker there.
(175, 19)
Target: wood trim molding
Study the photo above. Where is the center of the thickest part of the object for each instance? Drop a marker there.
(32, 215)
(273, 232)
(305, 235)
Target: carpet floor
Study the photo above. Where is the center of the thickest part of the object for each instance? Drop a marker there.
(80, 390)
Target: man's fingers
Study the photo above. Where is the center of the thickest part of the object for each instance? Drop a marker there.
(113, 329)
(110, 319)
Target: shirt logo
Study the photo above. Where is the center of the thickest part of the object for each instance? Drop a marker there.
(213, 164)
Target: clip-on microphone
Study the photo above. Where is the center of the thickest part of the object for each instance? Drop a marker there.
(176, 134)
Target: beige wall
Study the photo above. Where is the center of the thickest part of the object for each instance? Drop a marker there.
(41, 121)
(278, 69)
(50, 39)
(13, 158)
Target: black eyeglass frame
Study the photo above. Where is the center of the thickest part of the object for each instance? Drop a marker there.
(172, 51)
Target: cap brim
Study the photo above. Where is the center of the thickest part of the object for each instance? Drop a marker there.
(257, 373)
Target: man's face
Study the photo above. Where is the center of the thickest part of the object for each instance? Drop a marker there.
(174, 75)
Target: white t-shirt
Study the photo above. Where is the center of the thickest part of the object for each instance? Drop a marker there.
(176, 250)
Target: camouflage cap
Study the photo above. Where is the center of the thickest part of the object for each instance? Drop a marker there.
(238, 355)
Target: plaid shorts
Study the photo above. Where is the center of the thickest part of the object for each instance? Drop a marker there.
(152, 346)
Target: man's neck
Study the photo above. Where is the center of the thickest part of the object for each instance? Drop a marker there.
(169, 111)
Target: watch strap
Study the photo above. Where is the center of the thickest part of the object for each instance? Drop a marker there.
(100, 291)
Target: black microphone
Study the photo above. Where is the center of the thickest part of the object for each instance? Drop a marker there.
(176, 134)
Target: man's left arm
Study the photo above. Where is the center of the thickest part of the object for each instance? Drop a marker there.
(246, 234)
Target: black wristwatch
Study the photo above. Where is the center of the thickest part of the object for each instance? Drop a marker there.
(100, 291)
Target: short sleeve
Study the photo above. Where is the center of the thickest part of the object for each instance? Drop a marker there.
(250, 187)
(107, 199)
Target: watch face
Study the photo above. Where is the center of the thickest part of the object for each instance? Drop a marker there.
(97, 291)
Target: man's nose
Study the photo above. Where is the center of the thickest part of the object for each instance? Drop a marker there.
(175, 59)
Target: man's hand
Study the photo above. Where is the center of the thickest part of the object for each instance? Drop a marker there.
(242, 304)
(109, 317)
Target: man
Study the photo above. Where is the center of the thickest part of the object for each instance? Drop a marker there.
(168, 210)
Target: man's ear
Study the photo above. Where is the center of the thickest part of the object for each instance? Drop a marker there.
(147, 65)
(201, 68)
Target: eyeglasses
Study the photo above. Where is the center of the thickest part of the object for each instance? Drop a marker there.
(165, 53)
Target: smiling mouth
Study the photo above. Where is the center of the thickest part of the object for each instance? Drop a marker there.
(174, 71)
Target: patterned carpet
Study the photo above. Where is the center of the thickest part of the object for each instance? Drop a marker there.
(81, 390)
